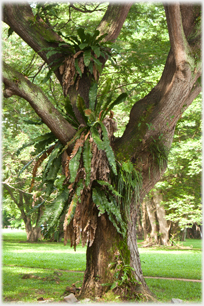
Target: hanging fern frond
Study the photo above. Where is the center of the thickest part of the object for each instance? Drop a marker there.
(100, 200)
(48, 172)
(39, 162)
(96, 137)
(54, 209)
(109, 152)
(109, 104)
(110, 187)
(74, 165)
(87, 156)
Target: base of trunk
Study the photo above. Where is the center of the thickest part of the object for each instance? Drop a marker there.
(108, 268)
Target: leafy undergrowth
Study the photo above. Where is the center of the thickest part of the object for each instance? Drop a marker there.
(40, 270)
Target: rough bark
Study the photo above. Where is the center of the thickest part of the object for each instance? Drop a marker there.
(98, 258)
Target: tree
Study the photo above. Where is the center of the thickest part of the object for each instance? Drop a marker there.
(178, 193)
(118, 166)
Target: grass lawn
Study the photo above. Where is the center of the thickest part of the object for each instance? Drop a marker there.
(48, 263)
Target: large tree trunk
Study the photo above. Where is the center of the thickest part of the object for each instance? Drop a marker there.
(110, 247)
(98, 257)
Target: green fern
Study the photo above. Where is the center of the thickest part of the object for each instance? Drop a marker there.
(87, 155)
(74, 165)
(96, 137)
(54, 210)
(109, 152)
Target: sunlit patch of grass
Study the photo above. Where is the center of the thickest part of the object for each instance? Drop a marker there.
(178, 264)
(165, 290)
(43, 255)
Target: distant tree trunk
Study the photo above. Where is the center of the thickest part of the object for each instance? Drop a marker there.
(156, 217)
(163, 224)
(33, 233)
(23, 201)
(152, 219)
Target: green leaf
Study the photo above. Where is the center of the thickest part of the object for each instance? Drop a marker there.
(93, 95)
(87, 57)
(100, 200)
(91, 115)
(87, 156)
(69, 109)
(98, 64)
(50, 53)
(83, 45)
(54, 209)
(119, 99)
(57, 207)
(95, 34)
(109, 152)
(77, 67)
(47, 77)
(74, 165)
(10, 31)
(76, 136)
(53, 165)
(73, 204)
(110, 187)
(81, 34)
(96, 50)
(96, 137)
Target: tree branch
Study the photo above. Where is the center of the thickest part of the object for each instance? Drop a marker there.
(85, 10)
(33, 30)
(113, 20)
(17, 84)
(177, 37)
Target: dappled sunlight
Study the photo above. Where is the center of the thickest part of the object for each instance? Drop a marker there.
(48, 251)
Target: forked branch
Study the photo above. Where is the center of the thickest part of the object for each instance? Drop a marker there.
(178, 40)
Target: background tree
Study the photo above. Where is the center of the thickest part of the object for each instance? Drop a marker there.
(178, 193)
(84, 134)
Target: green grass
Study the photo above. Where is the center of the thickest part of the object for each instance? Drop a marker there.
(44, 258)
(179, 264)
(48, 285)
(165, 290)
(42, 255)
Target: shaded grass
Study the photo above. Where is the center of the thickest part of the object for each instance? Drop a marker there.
(49, 285)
